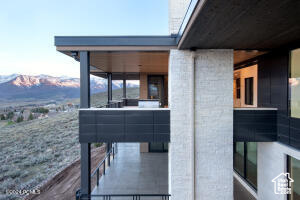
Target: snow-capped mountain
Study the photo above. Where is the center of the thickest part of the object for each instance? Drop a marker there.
(5, 78)
(45, 86)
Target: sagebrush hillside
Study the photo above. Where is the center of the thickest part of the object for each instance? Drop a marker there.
(34, 151)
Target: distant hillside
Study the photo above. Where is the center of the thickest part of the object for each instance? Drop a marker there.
(48, 87)
(32, 152)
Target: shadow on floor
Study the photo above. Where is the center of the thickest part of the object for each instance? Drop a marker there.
(240, 193)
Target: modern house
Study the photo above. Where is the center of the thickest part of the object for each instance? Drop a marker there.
(220, 96)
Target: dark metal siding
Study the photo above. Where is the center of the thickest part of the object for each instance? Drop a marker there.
(124, 126)
(273, 89)
(255, 125)
(273, 75)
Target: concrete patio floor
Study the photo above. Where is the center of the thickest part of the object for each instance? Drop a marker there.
(132, 172)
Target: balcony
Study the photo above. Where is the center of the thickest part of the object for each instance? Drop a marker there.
(255, 124)
(134, 175)
(126, 124)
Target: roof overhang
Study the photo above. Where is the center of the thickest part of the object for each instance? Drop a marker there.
(246, 25)
(115, 43)
(121, 54)
(255, 26)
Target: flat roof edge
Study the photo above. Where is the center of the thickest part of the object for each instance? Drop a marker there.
(115, 40)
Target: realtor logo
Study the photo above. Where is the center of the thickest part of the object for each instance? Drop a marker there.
(282, 183)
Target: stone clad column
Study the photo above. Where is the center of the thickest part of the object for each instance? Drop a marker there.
(181, 165)
(201, 103)
(214, 124)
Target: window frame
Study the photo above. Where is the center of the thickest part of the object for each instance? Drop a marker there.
(250, 92)
(244, 175)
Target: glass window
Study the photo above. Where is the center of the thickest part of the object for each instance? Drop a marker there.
(249, 91)
(239, 157)
(158, 147)
(294, 169)
(295, 83)
(251, 163)
(245, 161)
(156, 88)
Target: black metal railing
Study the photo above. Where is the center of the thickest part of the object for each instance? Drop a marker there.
(111, 153)
(108, 155)
(133, 196)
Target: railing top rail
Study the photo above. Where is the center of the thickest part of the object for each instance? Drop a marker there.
(126, 195)
(101, 163)
(135, 196)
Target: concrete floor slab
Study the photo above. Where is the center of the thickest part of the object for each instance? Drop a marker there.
(132, 172)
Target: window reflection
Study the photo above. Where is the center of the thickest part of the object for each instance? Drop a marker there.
(251, 163)
(239, 157)
(294, 169)
(294, 83)
(245, 161)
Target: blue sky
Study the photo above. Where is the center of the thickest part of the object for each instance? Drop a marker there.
(28, 29)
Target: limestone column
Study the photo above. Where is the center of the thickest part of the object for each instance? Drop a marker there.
(181, 149)
(201, 103)
(214, 124)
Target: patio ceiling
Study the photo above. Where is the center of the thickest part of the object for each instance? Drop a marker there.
(142, 62)
(132, 56)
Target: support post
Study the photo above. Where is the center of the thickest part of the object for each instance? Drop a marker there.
(124, 88)
(109, 87)
(108, 146)
(85, 161)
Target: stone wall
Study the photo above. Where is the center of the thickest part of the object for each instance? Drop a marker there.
(201, 103)
(181, 150)
(177, 10)
(214, 124)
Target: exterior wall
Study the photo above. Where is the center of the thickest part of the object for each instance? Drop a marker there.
(177, 10)
(201, 103)
(271, 161)
(143, 86)
(273, 91)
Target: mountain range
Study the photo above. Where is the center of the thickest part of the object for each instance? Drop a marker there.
(17, 86)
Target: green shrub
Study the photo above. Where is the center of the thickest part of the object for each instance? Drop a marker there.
(10, 123)
(2, 117)
(40, 110)
(30, 117)
(20, 119)
(98, 144)
(10, 115)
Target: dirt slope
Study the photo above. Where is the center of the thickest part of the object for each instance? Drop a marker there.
(64, 185)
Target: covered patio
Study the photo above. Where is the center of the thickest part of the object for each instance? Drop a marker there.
(132, 172)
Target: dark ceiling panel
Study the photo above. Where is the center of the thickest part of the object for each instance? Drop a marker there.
(244, 24)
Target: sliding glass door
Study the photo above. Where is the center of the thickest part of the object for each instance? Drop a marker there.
(245, 161)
